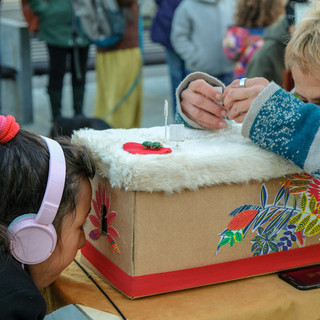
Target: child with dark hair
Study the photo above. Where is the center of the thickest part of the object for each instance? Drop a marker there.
(28, 166)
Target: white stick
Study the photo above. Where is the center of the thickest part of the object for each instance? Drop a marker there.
(166, 112)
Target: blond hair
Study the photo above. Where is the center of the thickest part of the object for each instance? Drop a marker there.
(258, 13)
(303, 50)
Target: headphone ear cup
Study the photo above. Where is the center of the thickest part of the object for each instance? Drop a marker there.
(32, 236)
(31, 242)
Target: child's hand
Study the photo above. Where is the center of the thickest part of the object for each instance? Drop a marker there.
(201, 102)
(239, 100)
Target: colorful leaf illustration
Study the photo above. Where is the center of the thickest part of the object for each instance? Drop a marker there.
(303, 202)
(279, 195)
(263, 196)
(303, 175)
(314, 230)
(238, 236)
(264, 216)
(300, 237)
(273, 247)
(296, 218)
(312, 204)
(286, 197)
(242, 219)
(276, 220)
(303, 223)
(244, 208)
(311, 225)
(281, 224)
(224, 241)
(314, 189)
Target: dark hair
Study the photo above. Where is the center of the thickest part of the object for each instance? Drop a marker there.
(23, 178)
(258, 13)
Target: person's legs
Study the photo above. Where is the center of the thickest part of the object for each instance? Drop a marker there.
(79, 59)
(57, 69)
(177, 73)
(119, 88)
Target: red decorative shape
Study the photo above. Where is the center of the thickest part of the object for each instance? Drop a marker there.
(103, 201)
(300, 236)
(242, 219)
(94, 220)
(137, 286)
(138, 148)
(314, 189)
(94, 234)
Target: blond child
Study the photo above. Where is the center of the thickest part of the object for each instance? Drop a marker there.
(272, 117)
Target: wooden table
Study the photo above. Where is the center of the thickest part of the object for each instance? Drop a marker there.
(258, 298)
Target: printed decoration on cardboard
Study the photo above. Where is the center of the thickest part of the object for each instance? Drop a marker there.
(103, 218)
(278, 225)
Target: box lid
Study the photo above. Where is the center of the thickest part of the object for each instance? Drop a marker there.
(203, 159)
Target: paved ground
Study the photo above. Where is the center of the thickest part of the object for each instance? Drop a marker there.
(156, 88)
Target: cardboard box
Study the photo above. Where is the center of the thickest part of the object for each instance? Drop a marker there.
(184, 236)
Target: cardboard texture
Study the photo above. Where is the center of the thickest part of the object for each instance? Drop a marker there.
(159, 233)
(145, 243)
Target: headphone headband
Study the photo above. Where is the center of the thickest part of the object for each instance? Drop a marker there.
(54, 189)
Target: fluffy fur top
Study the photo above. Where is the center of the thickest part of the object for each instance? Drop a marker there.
(204, 158)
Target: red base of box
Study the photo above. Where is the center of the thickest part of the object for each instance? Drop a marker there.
(137, 286)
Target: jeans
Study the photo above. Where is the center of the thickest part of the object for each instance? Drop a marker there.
(58, 60)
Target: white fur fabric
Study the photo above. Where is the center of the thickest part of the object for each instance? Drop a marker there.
(204, 158)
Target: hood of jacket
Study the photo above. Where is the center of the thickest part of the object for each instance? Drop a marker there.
(278, 32)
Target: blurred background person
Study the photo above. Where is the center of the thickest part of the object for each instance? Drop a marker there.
(268, 62)
(67, 47)
(198, 28)
(119, 74)
(245, 36)
(160, 33)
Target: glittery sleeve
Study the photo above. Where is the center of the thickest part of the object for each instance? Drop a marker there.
(283, 124)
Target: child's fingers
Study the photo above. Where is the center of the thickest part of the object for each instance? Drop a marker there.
(240, 117)
(198, 100)
(203, 117)
(205, 89)
(234, 93)
(239, 108)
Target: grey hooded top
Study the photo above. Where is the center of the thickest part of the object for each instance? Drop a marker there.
(198, 29)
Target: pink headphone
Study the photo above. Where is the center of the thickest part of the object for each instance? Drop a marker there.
(32, 236)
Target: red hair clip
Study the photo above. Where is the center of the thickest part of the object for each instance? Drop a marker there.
(8, 128)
